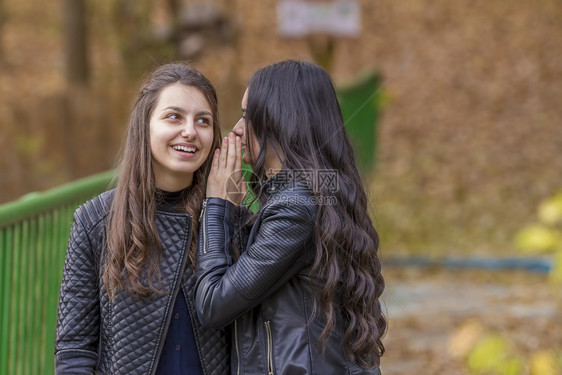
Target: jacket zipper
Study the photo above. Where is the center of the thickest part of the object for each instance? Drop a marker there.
(236, 345)
(269, 348)
(171, 306)
(202, 221)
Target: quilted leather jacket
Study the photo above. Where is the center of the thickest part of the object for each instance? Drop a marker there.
(266, 293)
(124, 335)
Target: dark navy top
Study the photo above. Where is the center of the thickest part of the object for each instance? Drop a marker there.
(179, 354)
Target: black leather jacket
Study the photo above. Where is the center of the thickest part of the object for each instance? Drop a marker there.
(124, 335)
(266, 293)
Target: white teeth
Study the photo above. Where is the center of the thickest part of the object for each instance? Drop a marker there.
(184, 148)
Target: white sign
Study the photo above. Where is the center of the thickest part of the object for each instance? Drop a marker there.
(297, 18)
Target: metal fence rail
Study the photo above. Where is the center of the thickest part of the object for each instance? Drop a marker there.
(34, 233)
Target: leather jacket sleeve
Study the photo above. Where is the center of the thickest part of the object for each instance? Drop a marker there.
(280, 248)
(77, 334)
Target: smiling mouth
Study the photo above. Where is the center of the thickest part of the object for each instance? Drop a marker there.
(191, 150)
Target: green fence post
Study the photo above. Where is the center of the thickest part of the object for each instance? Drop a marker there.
(34, 231)
(6, 258)
(360, 106)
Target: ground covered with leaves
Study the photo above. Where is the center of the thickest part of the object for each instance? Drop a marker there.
(438, 317)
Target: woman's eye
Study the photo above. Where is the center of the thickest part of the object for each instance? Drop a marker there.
(203, 120)
(173, 116)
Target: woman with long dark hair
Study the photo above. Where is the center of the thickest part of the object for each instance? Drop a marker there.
(126, 302)
(304, 292)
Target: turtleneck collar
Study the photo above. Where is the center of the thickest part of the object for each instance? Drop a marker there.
(171, 201)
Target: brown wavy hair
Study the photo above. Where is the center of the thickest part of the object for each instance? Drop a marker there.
(293, 105)
(133, 244)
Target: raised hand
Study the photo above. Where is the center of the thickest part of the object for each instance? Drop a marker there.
(225, 178)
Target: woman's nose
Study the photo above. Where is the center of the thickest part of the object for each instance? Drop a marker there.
(188, 129)
(239, 127)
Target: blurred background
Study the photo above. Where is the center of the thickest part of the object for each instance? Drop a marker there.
(467, 139)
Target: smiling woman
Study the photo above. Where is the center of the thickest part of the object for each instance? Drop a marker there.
(181, 135)
(126, 300)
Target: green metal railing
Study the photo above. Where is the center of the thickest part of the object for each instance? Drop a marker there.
(360, 103)
(34, 233)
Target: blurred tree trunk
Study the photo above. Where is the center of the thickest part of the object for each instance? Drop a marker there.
(77, 77)
(174, 7)
(3, 18)
(174, 12)
(76, 35)
(131, 20)
(322, 49)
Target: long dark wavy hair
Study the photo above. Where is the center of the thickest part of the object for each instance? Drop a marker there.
(292, 106)
(133, 243)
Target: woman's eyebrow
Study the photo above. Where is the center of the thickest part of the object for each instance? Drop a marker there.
(174, 108)
(204, 113)
(183, 111)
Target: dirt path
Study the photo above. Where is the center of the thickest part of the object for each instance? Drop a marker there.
(428, 311)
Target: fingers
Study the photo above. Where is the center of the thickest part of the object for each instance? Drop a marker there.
(238, 161)
(215, 162)
(223, 154)
(214, 187)
(232, 152)
(225, 176)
